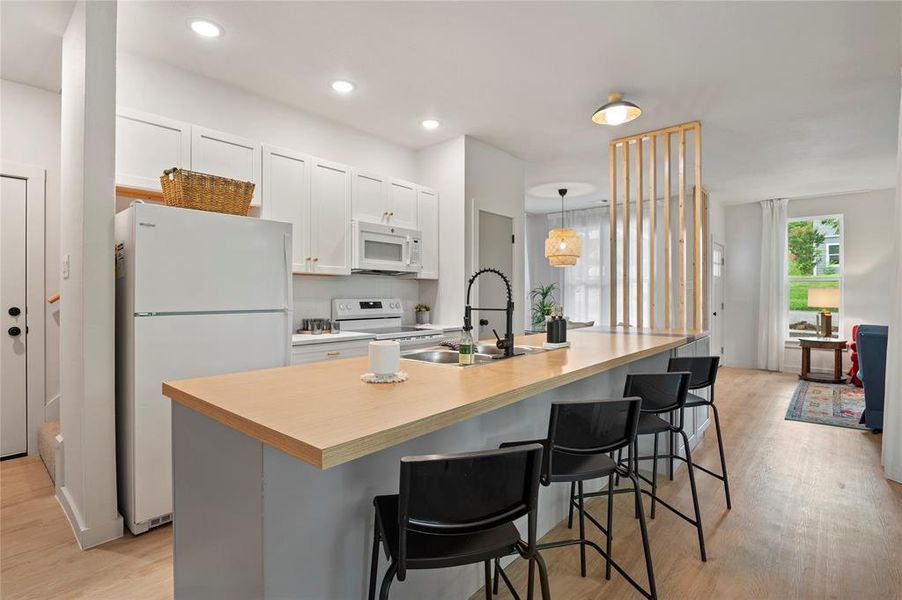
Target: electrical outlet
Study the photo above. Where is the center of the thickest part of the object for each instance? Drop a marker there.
(65, 266)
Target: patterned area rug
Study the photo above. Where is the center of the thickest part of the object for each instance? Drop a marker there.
(840, 405)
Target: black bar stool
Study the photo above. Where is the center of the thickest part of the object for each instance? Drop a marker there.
(663, 393)
(582, 437)
(704, 374)
(459, 509)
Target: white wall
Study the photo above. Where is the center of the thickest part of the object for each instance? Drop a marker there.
(30, 134)
(165, 90)
(867, 258)
(87, 491)
(442, 167)
(495, 182)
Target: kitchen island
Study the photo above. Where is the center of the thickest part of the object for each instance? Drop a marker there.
(274, 470)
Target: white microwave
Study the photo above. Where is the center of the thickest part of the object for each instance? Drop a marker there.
(385, 249)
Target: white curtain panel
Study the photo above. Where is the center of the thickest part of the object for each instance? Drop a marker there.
(892, 408)
(772, 286)
(585, 286)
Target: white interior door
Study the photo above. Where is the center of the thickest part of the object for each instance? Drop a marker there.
(717, 304)
(496, 251)
(13, 397)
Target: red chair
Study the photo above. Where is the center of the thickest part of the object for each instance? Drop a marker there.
(853, 372)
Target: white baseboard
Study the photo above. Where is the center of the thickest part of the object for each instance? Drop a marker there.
(88, 537)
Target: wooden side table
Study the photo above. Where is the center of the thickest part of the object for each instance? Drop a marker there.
(819, 343)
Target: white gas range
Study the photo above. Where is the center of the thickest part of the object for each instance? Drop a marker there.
(381, 317)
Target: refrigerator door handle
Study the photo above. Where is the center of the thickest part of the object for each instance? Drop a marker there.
(286, 255)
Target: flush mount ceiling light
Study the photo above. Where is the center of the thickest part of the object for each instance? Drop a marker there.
(617, 111)
(343, 87)
(563, 246)
(430, 124)
(205, 28)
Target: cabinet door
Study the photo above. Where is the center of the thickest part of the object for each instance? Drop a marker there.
(369, 197)
(227, 155)
(402, 204)
(330, 218)
(147, 145)
(427, 219)
(286, 197)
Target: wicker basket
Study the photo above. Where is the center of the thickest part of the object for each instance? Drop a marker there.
(200, 191)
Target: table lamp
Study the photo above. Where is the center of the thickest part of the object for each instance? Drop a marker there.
(824, 298)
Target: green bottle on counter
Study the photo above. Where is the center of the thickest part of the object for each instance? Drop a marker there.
(467, 353)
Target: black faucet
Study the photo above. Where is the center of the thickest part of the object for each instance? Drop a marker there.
(506, 344)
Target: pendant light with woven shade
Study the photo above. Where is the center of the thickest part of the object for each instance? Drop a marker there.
(563, 246)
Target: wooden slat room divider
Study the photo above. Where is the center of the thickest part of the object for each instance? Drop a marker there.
(672, 292)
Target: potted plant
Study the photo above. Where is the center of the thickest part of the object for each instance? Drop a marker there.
(422, 311)
(543, 302)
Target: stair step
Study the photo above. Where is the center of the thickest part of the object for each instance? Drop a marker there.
(47, 445)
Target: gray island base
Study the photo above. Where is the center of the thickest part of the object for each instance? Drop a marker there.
(253, 522)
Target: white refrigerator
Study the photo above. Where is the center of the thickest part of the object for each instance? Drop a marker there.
(197, 294)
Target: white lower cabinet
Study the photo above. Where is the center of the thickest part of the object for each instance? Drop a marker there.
(310, 353)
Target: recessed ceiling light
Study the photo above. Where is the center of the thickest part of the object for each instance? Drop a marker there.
(430, 124)
(205, 28)
(343, 87)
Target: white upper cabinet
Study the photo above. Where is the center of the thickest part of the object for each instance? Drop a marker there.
(402, 204)
(227, 155)
(369, 197)
(330, 217)
(427, 214)
(286, 197)
(147, 145)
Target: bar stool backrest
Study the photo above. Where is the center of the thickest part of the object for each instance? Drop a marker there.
(660, 392)
(467, 492)
(594, 426)
(703, 369)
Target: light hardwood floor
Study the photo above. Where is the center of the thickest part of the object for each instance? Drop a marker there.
(812, 517)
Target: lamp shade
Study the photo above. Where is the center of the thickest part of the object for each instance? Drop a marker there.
(823, 297)
(562, 247)
(617, 111)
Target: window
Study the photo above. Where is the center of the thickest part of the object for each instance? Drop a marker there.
(814, 260)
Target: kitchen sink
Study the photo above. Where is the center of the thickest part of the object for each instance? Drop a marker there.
(443, 357)
(493, 350)
(485, 354)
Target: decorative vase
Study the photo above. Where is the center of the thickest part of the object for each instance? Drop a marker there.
(423, 317)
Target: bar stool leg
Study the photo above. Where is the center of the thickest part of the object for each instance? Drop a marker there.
(698, 515)
(607, 562)
(530, 586)
(386, 581)
(572, 497)
(634, 454)
(543, 577)
(488, 579)
(495, 582)
(374, 565)
(582, 531)
(723, 460)
(646, 548)
(654, 478)
(671, 448)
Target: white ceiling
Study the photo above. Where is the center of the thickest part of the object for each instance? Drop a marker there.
(31, 41)
(795, 99)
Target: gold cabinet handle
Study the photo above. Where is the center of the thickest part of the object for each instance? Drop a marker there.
(333, 353)
(315, 258)
(307, 258)
(391, 214)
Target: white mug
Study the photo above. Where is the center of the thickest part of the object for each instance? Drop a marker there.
(385, 357)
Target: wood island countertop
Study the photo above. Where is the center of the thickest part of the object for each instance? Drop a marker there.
(324, 415)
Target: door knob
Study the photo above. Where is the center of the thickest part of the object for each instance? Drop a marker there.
(15, 311)
(14, 331)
